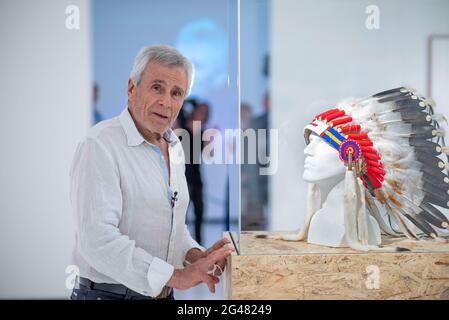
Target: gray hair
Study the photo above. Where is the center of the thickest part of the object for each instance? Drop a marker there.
(166, 55)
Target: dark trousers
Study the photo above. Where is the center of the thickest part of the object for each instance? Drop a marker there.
(196, 197)
(81, 292)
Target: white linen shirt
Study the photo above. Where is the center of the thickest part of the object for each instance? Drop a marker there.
(128, 228)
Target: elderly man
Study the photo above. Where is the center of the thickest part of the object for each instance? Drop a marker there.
(130, 196)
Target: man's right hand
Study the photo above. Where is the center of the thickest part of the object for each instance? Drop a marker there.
(197, 272)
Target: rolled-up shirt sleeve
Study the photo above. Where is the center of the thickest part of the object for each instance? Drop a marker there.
(97, 201)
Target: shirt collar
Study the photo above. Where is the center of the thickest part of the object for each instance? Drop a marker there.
(133, 135)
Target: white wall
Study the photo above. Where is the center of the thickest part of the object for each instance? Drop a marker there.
(44, 111)
(439, 84)
(321, 52)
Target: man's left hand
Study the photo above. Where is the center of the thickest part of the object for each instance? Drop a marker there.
(194, 254)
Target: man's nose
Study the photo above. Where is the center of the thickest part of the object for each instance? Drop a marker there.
(164, 100)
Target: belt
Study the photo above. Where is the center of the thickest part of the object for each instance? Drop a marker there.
(119, 288)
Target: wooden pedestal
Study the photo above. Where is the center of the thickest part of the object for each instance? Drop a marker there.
(265, 268)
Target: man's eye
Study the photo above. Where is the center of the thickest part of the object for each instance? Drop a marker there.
(157, 88)
(177, 94)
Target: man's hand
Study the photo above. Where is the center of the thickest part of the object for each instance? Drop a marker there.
(221, 263)
(197, 272)
(194, 254)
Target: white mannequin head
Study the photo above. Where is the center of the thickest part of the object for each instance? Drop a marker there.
(322, 165)
(324, 169)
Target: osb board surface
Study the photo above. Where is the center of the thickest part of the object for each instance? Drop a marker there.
(399, 276)
(251, 245)
(276, 269)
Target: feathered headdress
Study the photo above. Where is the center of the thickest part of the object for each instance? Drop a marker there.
(393, 148)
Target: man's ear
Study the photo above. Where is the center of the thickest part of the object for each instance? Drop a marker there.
(130, 88)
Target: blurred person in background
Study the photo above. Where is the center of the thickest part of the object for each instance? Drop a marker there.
(246, 114)
(257, 184)
(97, 116)
(199, 112)
(254, 214)
(254, 185)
